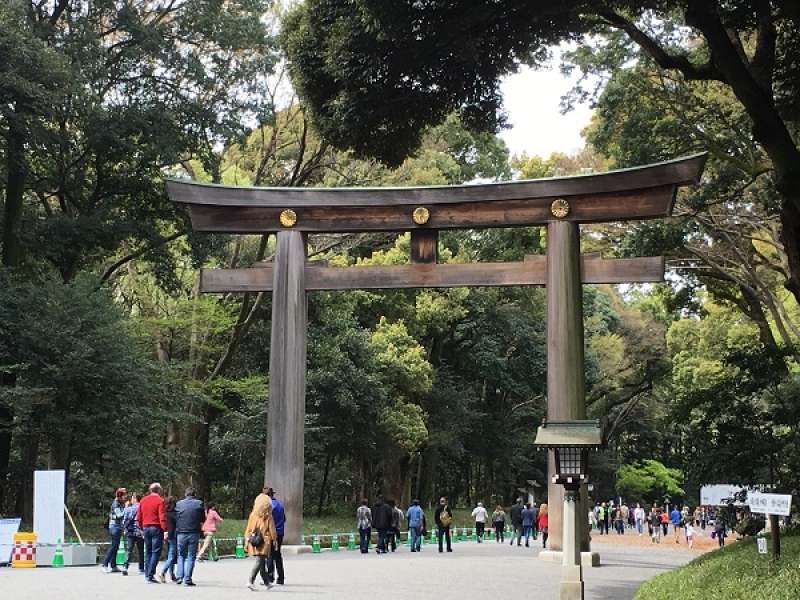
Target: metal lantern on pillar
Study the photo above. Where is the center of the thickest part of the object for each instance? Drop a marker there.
(571, 442)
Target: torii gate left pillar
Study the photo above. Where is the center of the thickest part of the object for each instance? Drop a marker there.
(285, 456)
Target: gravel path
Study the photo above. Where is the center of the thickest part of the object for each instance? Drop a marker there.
(471, 571)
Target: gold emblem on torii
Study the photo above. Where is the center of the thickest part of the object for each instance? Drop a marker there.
(559, 208)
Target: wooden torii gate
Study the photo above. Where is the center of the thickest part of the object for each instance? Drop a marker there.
(561, 203)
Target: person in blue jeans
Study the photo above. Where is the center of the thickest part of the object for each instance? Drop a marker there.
(527, 523)
(172, 541)
(189, 518)
(134, 538)
(415, 517)
(364, 524)
(115, 515)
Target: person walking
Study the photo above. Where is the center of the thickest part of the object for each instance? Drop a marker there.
(134, 537)
(638, 517)
(189, 519)
(481, 516)
(619, 520)
(382, 521)
(691, 532)
(261, 536)
(527, 523)
(393, 535)
(172, 541)
(444, 519)
(535, 524)
(209, 529)
(415, 516)
(152, 519)
(364, 524)
(542, 523)
(516, 522)
(676, 518)
(499, 524)
(115, 514)
(605, 512)
(720, 531)
(275, 562)
(625, 515)
(655, 525)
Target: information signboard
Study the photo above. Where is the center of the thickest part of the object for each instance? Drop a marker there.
(8, 527)
(48, 506)
(770, 504)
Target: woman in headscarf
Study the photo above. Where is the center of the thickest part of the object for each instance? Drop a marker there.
(260, 522)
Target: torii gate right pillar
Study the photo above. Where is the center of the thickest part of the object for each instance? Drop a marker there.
(566, 394)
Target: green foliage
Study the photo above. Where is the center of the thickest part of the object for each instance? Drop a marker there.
(736, 572)
(85, 384)
(649, 482)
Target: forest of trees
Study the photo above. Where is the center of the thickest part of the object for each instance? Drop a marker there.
(115, 368)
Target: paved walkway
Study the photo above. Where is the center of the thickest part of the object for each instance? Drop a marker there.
(473, 570)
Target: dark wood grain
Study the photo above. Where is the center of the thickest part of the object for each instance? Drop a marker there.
(532, 271)
(646, 203)
(424, 245)
(671, 173)
(287, 380)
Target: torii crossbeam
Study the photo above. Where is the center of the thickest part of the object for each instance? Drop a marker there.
(561, 204)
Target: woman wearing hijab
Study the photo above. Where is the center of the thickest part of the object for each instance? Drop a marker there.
(260, 535)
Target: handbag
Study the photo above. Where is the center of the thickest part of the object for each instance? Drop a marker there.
(256, 539)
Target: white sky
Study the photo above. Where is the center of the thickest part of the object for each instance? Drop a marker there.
(531, 99)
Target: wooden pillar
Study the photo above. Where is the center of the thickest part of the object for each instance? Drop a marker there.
(565, 359)
(287, 381)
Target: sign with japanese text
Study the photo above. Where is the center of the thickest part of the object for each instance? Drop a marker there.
(770, 504)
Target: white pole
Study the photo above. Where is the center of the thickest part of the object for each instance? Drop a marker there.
(571, 571)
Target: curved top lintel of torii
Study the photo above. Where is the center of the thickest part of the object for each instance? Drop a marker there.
(644, 192)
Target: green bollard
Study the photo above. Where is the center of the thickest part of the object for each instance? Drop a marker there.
(335, 542)
(239, 547)
(120, 560)
(315, 545)
(351, 541)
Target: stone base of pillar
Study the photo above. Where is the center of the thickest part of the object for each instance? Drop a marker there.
(295, 549)
(588, 559)
(571, 590)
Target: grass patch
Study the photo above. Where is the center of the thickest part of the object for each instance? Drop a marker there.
(736, 572)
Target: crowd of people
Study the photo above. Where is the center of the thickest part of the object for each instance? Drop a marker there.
(148, 521)
(386, 518)
(657, 520)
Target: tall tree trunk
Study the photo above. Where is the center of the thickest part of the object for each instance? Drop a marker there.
(323, 487)
(11, 258)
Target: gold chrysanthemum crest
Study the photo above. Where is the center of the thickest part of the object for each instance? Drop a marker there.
(421, 215)
(559, 208)
(288, 218)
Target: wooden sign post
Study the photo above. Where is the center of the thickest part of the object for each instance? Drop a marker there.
(561, 204)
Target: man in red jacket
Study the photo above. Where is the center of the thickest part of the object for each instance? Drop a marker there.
(152, 518)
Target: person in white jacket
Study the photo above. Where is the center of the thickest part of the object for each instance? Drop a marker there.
(638, 515)
(481, 516)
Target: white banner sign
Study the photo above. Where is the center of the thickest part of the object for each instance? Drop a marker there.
(770, 504)
(8, 527)
(719, 494)
(48, 506)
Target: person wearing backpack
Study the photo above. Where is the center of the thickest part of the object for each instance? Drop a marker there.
(499, 524)
(134, 536)
(115, 515)
(261, 535)
(444, 519)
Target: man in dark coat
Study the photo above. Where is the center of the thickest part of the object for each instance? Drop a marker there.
(516, 522)
(382, 521)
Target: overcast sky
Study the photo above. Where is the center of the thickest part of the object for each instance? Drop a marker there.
(532, 99)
